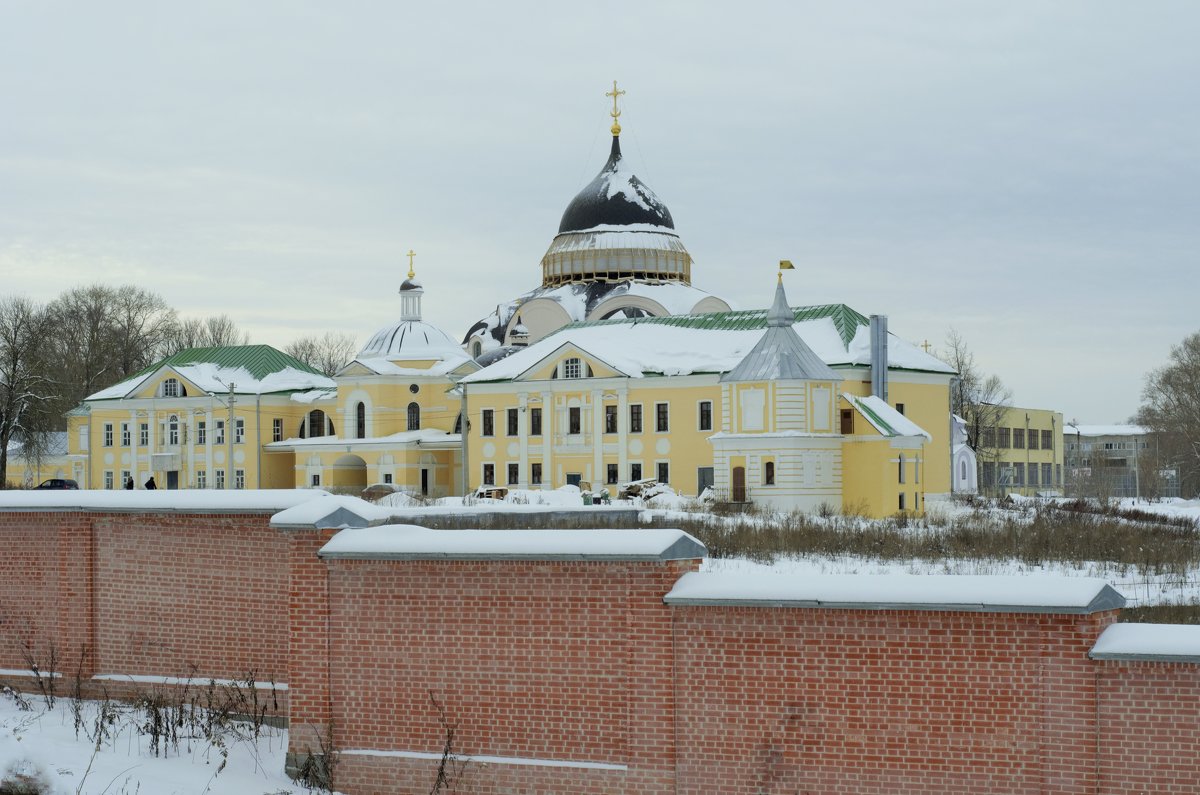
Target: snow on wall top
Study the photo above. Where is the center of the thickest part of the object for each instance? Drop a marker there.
(410, 542)
(159, 500)
(1162, 642)
(1004, 594)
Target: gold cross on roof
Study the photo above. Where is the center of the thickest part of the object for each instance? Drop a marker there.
(926, 346)
(411, 272)
(615, 112)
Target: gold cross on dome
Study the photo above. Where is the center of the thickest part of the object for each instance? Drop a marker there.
(615, 112)
(411, 272)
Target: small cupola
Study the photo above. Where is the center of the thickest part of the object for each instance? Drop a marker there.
(410, 293)
(519, 335)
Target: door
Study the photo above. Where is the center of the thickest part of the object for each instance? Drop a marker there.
(173, 479)
(704, 479)
(574, 478)
(425, 482)
(739, 484)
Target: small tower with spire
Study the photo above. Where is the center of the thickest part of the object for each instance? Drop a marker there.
(410, 293)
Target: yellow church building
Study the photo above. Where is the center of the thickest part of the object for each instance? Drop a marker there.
(616, 369)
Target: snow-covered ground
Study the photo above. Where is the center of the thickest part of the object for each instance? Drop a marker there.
(41, 745)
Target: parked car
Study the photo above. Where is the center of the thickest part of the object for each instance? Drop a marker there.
(58, 483)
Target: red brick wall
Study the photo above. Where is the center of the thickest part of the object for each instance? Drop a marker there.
(802, 700)
(1149, 727)
(559, 661)
(146, 594)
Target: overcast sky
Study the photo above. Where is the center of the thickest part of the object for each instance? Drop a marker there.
(1024, 172)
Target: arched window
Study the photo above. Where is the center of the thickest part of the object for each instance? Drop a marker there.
(360, 420)
(173, 429)
(963, 469)
(172, 388)
(572, 368)
(414, 417)
(769, 474)
(317, 425)
(476, 349)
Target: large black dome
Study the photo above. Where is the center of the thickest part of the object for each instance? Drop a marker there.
(615, 198)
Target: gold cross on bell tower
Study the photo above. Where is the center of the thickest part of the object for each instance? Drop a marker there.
(615, 112)
(411, 272)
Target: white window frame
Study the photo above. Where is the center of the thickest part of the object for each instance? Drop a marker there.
(202, 478)
(108, 479)
(201, 432)
(700, 415)
(658, 429)
(144, 434)
(239, 478)
(170, 388)
(219, 432)
(239, 431)
(126, 436)
(277, 429)
(572, 368)
(219, 478)
(108, 434)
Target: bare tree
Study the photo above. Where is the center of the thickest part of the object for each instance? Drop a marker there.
(216, 331)
(327, 353)
(981, 400)
(1171, 408)
(141, 323)
(24, 389)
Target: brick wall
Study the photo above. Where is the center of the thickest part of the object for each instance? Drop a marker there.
(1149, 727)
(146, 594)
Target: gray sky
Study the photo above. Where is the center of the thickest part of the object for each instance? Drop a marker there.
(1024, 172)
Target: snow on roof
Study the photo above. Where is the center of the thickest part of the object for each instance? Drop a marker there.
(313, 395)
(411, 340)
(159, 501)
(215, 378)
(1104, 430)
(444, 364)
(410, 542)
(650, 348)
(884, 418)
(403, 437)
(331, 512)
(1005, 594)
(1161, 642)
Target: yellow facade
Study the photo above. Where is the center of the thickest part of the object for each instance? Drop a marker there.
(1023, 453)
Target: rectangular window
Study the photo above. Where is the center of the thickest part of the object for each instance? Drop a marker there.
(219, 476)
(664, 472)
(239, 478)
(662, 418)
(1047, 440)
(125, 436)
(535, 422)
(1047, 474)
(901, 468)
(219, 433)
(315, 480)
(573, 420)
(1033, 440)
(610, 420)
(277, 430)
(900, 407)
(1018, 474)
(511, 421)
(108, 434)
(125, 477)
(239, 431)
(1004, 441)
(1033, 474)
(635, 471)
(489, 424)
(201, 478)
(489, 474)
(535, 474)
(514, 474)
(387, 478)
(989, 473)
(201, 432)
(769, 473)
(706, 415)
(108, 479)
(610, 473)
(144, 434)
(635, 418)
(989, 437)
(1058, 474)
(901, 503)
(1018, 437)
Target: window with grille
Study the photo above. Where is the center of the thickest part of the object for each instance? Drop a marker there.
(572, 368)
(170, 388)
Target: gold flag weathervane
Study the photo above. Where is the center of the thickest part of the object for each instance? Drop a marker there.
(615, 112)
(785, 265)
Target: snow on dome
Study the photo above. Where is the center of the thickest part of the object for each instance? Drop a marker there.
(615, 197)
(410, 340)
(410, 284)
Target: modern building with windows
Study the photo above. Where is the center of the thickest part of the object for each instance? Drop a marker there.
(1116, 461)
(1022, 453)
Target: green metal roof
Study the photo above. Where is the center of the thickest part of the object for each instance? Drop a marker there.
(259, 360)
(845, 319)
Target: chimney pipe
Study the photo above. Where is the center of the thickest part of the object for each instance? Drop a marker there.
(879, 357)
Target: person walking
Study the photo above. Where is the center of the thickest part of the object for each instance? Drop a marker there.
(150, 484)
